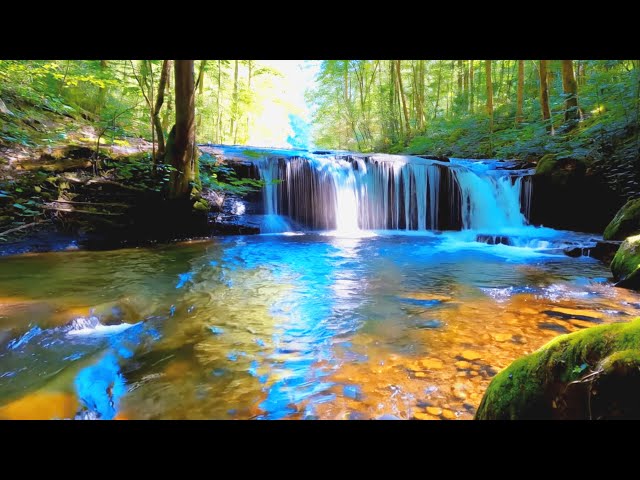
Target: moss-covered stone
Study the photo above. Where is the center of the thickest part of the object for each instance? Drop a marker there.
(625, 223)
(561, 169)
(558, 380)
(626, 262)
(201, 205)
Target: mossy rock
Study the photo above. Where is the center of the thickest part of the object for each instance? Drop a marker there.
(201, 205)
(592, 373)
(625, 223)
(561, 169)
(626, 262)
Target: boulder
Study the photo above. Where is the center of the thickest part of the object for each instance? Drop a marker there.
(626, 262)
(625, 223)
(568, 195)
(605, 250)
(590, 374)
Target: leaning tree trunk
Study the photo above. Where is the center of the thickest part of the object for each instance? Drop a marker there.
(157, 122)
(544, 93)
(570, 90)
(181, 149)
(520, 93)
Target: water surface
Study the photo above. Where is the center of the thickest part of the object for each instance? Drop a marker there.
(285, 326)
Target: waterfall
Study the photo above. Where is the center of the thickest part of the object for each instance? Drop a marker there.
(348, 192)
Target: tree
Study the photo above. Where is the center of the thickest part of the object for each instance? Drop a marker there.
(570, 90)
(520, 93)
(544, 94)
(487, 67)
(164, 74)
(403, 98)
(181, 148)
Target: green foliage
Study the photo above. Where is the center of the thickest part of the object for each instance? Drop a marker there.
(222, 178)
(358, 106)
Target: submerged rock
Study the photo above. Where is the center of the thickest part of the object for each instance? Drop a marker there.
(625, 223)
(626, 262)
(590, 374)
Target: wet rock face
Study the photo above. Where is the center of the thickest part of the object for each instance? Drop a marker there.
(625, 223)
(567, 195)
(590, 374)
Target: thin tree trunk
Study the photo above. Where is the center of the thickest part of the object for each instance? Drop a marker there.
(520, 93)
(102, 93)
(246, 138)
(166, 118)
(487, 67)
(435, 109)
(219, 111)
(582, 67)
(471, 88)
(164, 74)
(404, 100)
(234, 109)
(570, 89)
(200, 88)
(182, 149)
(544, 94)
(465, 96)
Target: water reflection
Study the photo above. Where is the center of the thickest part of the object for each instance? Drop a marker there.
(276, 326)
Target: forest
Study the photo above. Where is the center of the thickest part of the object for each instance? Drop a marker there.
(319, 239)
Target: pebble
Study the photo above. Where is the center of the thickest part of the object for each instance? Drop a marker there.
(432, 363)
(449, 415)
(424, 416)
(471, 355)
(502, 337)
(462, 364)
(434, 411)
(420, 375)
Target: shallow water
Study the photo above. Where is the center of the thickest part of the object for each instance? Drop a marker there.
(285, 326)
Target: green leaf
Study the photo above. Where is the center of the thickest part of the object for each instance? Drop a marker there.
(19, 207)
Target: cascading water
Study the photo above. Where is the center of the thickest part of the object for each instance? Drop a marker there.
(348, 193)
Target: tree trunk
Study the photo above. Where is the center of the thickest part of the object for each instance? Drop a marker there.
(471, 92)
(166, 118)
(404, 100)
(234, 109)
(544, 93)
(246, 137)
(520, 93)
(200, 88)
(219, 111)
(570, 89)
(435, 108)
(181, 149)
(164, 74)
(465, 96)
(487, 67)
(582, 72)
(102, 93)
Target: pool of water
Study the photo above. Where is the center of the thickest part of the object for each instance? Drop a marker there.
(294, 326)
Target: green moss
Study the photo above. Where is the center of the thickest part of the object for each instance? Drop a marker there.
(546, 164)
(626, 262)
(527, 388)
(202, 205)
(625, 223)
